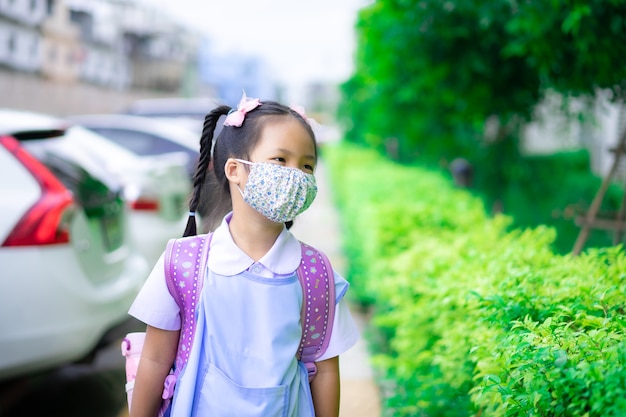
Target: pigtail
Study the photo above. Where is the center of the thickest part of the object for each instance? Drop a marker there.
(205, 166)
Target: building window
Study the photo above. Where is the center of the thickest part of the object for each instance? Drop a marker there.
(50, 7)
(11, 42)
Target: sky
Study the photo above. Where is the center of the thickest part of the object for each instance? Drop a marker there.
(300, 41)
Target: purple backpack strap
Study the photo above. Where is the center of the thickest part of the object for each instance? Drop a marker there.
(185, 264)
(318, 306)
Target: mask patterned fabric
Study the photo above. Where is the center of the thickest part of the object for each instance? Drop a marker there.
(279, 193)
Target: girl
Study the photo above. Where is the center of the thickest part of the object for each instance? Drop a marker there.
(243, 359)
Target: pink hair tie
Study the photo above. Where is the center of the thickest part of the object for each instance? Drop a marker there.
(246, 105)
(299, 109)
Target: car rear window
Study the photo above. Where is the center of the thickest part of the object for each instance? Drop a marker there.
(141, 143)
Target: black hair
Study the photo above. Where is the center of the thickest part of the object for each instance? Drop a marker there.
(210, 197)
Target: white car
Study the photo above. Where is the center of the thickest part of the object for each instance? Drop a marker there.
(69, 273)
(144, 136)
(156, 188)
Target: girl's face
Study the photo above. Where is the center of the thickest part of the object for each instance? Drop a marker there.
(285, 142)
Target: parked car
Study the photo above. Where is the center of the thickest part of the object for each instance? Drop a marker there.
(145, 137)
(187, 112)
(68, 270)
(156, 188)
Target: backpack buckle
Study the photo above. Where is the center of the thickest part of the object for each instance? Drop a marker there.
(168, 386)
(311, 369)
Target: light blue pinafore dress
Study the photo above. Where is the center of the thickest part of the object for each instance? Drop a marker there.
(243, 363)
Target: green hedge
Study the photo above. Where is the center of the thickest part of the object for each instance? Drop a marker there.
(472, 318)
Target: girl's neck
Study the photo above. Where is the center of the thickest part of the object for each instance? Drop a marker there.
(254, 236)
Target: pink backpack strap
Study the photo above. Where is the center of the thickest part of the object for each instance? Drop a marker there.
(318, 306)
(185, 264)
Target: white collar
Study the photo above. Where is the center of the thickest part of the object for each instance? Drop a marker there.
(226, 258)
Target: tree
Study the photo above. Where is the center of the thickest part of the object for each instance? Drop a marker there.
(440, 69)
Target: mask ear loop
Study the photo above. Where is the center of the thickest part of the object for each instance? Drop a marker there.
(243, 161)
(246, 163)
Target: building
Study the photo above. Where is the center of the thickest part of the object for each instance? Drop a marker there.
(20, 39)
(60, 44)
(117, 44)
(160, 50)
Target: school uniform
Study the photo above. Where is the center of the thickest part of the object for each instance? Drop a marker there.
(242, 362)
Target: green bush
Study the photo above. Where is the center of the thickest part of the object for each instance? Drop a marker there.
(474, 317)
(548, 190)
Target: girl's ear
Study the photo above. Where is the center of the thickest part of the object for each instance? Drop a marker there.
(233, 171)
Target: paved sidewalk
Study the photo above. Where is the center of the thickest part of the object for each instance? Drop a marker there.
(319, 226)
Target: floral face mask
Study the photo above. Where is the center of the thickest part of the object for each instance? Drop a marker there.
(279, 193)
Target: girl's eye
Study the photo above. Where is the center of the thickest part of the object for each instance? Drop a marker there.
(279, 159)
(309, 168)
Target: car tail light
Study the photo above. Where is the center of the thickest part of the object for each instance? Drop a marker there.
(140, 200)
(145, 204)
(45, 222)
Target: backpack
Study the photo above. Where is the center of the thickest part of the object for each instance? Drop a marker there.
(185, 263)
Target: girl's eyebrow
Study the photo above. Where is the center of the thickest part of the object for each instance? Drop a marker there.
(288, 152)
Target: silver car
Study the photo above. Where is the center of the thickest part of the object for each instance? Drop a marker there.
(187, 112)
(145, 136)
